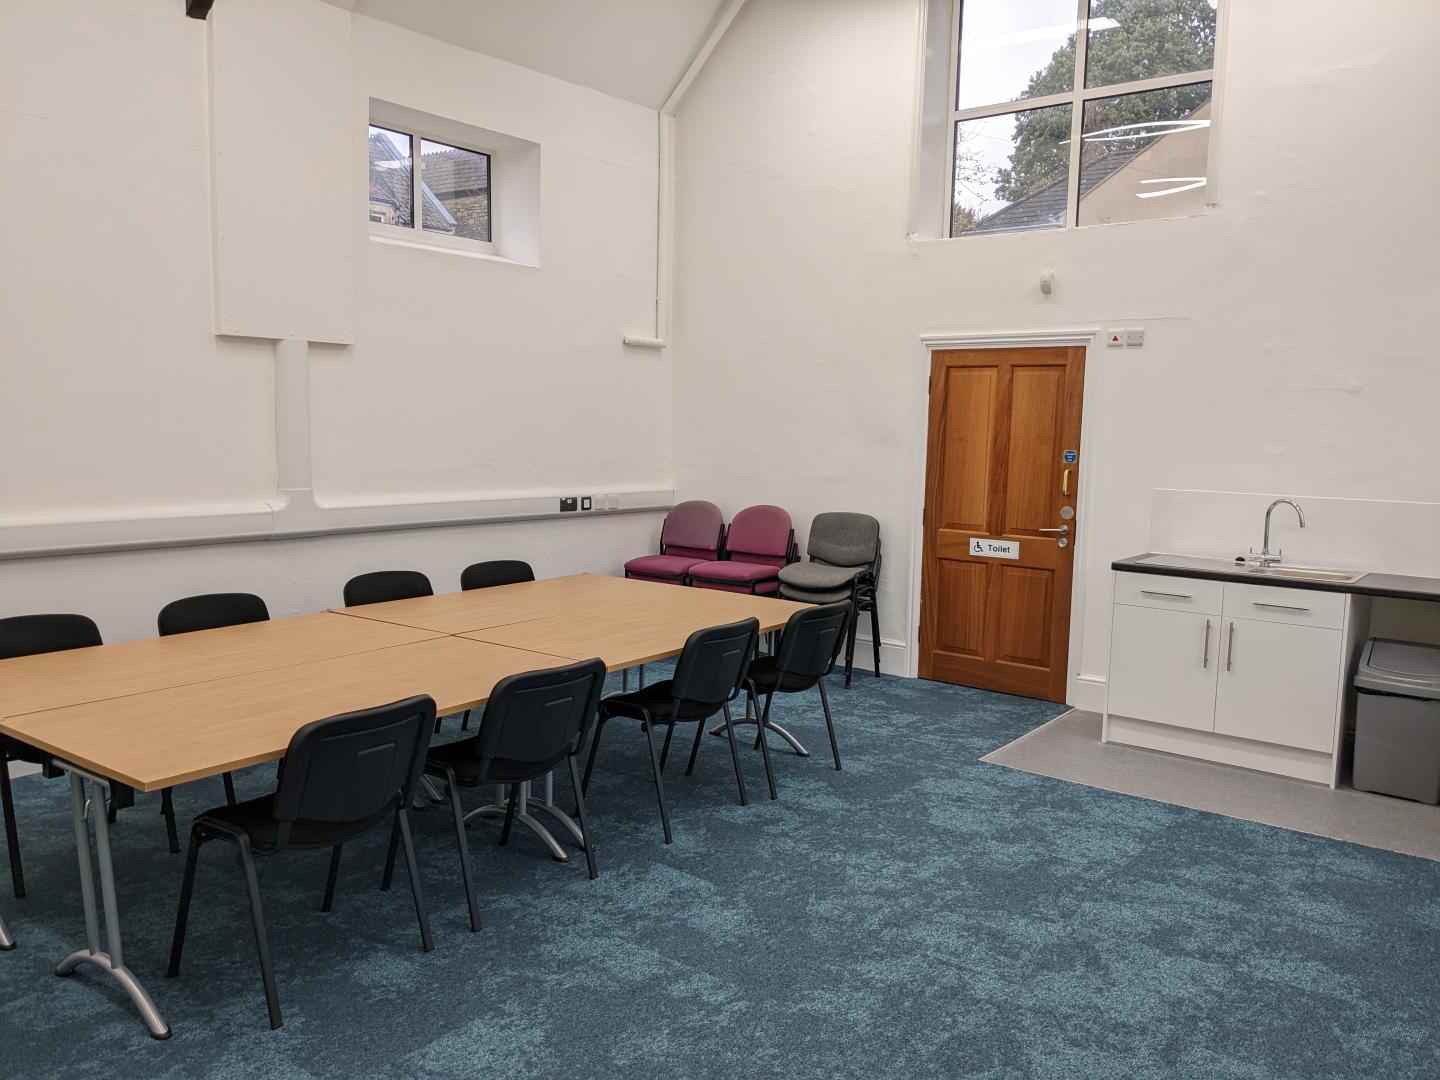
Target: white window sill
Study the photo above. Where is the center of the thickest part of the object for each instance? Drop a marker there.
(396, 237)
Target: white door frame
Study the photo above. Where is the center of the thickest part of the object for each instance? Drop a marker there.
(1089, 459)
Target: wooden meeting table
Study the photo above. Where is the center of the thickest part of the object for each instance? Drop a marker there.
(164, 711)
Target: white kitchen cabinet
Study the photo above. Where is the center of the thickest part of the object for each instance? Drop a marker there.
(1279, 683)
(1243, 674)
(1163, 666)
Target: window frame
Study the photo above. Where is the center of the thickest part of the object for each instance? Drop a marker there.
(416, 233)
(1077, 98)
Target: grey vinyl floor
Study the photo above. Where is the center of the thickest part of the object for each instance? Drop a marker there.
(1069, 748)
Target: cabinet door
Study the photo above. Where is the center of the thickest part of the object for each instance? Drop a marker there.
(1162, 666)
(1279, 683)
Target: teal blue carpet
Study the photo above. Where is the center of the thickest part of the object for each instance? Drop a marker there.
(920, 914)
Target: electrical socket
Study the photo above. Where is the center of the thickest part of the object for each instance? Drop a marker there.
(586, 503)
(567, 504)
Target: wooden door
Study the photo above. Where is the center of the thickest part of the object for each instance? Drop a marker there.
(1003, 465)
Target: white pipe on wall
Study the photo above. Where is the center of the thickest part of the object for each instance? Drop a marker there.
(665, 209)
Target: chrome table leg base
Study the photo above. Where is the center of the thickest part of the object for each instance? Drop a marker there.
(795, 744)
(111, 960)
(429, 792)
(524, 817)
(6, 941)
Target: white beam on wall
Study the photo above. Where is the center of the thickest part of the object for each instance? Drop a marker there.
(295, 511)
(665, 210)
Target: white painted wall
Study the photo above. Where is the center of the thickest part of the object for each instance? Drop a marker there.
(468, 379)
(1291, 332)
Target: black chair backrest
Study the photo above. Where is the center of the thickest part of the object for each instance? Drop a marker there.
(210, 610)
(486, 575)
(29, 635)
(356, 767)
(713, 665)
(812, 640)
(536, 719)
(385, 585)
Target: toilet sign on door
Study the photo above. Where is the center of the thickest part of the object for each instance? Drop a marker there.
(994, 549)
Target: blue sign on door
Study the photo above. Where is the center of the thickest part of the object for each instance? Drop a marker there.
(1070, 457)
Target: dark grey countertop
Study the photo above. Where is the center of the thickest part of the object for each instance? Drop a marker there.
(1393, 586)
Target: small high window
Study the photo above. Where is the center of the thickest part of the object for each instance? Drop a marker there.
(1078, 112)
(443, 188)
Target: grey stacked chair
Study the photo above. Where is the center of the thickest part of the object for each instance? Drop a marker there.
(340, 778)
(844, 564)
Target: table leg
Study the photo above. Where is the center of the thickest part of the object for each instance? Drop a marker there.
(770, 725)
(6, 941)
(546, 802)
(112, 959)
(534, 824)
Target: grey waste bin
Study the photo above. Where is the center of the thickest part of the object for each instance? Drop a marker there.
(1397, 720)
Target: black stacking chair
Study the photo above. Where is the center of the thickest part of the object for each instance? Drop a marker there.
(710, 673)
(31, 635)
(209, 611)
(808, 649)
(532, 722)
(486, 575)
(383, 586)
(341, 778)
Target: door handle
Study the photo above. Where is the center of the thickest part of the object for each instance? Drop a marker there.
(1065, 483)
(1206, 662)
(1059, 530)
(1280, 607)
(1230, 649)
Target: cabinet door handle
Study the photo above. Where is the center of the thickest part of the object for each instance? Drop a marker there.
(1207, 644)
(1166, 595)
(1230, 649)
(1279, 607)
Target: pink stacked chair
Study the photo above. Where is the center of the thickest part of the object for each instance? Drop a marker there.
(691, 535)
(761, 540)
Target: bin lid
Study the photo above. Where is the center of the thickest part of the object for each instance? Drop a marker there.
(1400, 667)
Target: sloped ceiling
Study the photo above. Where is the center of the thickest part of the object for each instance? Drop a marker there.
(631, 49)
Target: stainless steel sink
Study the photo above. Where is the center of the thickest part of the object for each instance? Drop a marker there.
(1306, 573)
(1230, 566)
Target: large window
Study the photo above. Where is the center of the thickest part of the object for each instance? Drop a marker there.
(441, 189)
(1078, 112)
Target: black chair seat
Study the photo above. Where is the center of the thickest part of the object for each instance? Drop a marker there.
(768, 678)
(256, 819)
(470, 771)
(658, 699)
